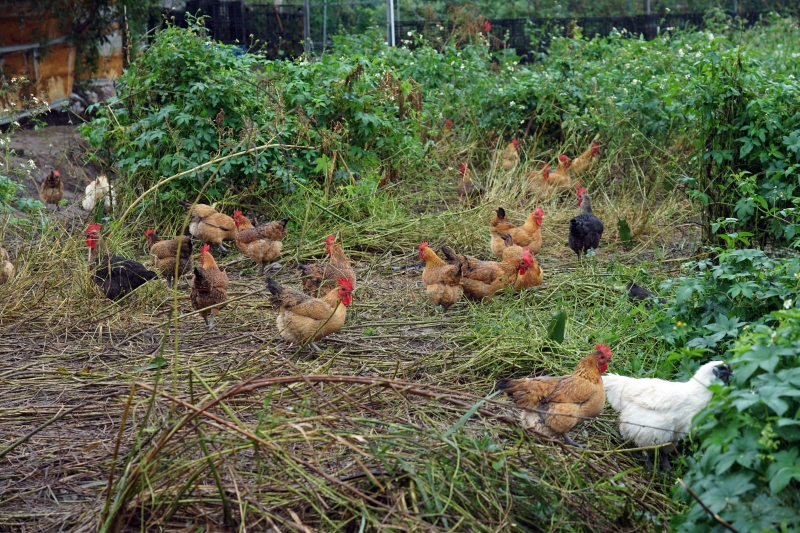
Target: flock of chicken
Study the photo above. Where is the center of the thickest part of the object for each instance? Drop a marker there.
(652, 411)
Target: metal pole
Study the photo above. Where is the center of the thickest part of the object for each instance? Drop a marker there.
(324, 25)
(306, 26)
(647, 6)
(397, 12)
(390, 22)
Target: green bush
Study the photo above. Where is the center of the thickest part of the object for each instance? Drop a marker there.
(187, 101)
(748, 472)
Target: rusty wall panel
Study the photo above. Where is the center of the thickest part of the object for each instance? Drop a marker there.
(50, 69)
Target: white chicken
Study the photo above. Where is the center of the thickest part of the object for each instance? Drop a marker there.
(654, 411)
(98, 190)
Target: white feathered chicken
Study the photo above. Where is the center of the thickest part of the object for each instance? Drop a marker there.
(653, 411)
(98, 190)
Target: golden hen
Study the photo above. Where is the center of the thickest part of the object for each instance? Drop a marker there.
(210, 227)
(165, 254)
(262, 244)
(528, 235)
(555, 405)
(533, 276)
(442, 281)
(303, 318)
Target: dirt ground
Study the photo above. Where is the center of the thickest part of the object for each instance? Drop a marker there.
(55, 148)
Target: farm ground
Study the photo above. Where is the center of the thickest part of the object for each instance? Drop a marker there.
(77, 371)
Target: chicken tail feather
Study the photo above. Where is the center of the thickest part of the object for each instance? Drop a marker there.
(449, 253)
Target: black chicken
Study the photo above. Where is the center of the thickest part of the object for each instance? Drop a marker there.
(116, 275)
(585, 229)
(637, 293)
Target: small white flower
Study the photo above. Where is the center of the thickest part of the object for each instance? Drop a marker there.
(680, 52)
(512, 102)
(15, 123)
(787, 304)
(634, 81)
(698, 54)
(710, 36)
(410, 33)
(687, 77)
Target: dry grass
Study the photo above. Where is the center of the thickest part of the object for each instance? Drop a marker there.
(239, 430)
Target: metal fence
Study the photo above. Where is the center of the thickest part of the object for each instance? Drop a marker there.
(275, 31)
(517, 33)
(278, 30)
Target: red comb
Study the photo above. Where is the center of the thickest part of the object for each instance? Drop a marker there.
(514, 142)
(237, 214)
(603, 349)
(56, 174)
(538, 211)
(563, 158)
(345, 283)
(423, 245)
(94, 227)
(462, 168)
(448, 123)
(581, 191)
(330, 239)
(205, 248)
(148, 232)
(526, 256)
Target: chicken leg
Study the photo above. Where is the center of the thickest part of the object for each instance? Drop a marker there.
(211, 322)
(223, 249)
(571, 442)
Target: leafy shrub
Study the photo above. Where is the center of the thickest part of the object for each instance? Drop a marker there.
(748, 473)
(733, 290)
(188, 100)
(749, 140)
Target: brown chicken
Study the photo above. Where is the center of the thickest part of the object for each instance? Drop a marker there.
(534, 276)
(262, 244)
(52, 190)
(210, 227)
(510, 156)
(555, 405)
(209, 287)
(6, 266)
(536, 178)
(320, 279)
(481, 279)
(442, 281)
(468, 190)
(164, 254)
(559, 180)
(303, 318)
(529, 235)
(587, 161)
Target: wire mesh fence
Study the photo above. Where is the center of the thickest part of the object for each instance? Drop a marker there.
(277, 30)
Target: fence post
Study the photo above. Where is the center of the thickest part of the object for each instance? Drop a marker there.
(390, 22)
(306, 26)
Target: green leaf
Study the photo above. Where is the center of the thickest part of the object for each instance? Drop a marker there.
(472, 410)
(557, 327)
(625, 232)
